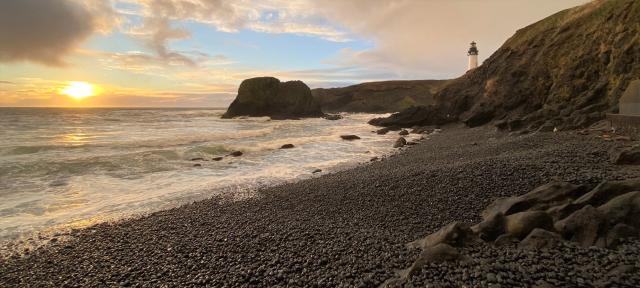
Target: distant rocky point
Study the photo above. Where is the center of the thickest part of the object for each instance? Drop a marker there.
(267, 96)
(378, 97)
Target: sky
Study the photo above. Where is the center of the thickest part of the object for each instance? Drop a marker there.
(195, 53)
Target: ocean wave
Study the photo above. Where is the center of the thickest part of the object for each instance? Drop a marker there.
(24, 150)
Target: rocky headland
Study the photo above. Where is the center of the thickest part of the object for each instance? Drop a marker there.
(267, 96)
(565, 71)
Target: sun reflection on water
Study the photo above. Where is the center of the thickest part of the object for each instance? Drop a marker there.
(75, 139)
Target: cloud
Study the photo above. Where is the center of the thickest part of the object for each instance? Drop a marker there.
(46, 31)
(420, 39)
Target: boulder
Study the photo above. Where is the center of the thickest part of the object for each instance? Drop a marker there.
(217, 158)
(540, 239)
(413, 116)
(349, 137)
(455, 234)
(287, 146)
(541, 198)
(236, 153)
(440, 253)
(383, 131)
(506, 240)
(400, 142)
(629, 156)
(403, 132)
(583, 226)
(521, 224)
(333, 117)
(617, 233)
(316, 171)
(491, 228)
(434, 254)
(608, 190)
(623, 209)
(421, 130)
(267, 96)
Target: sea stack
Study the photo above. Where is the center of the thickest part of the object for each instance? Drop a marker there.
(267, 96)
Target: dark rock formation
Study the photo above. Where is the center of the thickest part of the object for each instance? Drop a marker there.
(287, 146)
(378, 97)
(629, 156)
(566, 70)
(414, 116)
(349, 137)
(400, 142)
(333, 117)
(267, 96)
(534, 229)
(236, 153)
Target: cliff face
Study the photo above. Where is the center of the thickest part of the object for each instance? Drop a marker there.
(378, 97)
(267, 96)
(565, 71)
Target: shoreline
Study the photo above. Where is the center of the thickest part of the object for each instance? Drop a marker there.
(16, 245)
(345, 228)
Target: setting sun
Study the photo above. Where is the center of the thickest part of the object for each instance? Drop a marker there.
(78, 90)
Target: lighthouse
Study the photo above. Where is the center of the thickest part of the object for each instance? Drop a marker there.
(473, 56)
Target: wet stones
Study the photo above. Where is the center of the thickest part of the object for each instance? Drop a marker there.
(400, 142)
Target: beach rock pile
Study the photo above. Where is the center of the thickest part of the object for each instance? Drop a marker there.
(628, 156)
(557, 212)
(267, 96)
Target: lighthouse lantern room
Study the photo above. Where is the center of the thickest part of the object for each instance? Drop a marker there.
(473, 56)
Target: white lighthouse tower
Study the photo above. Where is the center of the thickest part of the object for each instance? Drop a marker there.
(473, 56)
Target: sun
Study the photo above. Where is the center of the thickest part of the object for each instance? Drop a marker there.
(78, 90)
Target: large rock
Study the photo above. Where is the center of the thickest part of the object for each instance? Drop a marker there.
(623, 209)
(521, 224)
(584, 226)
(412, 116)
(540, 239)
(608, 190)
(267, 96)
(541, 198)
(629, 156)
(455, 234)
(491, 228)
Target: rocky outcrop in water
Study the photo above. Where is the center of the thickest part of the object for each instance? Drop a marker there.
(564, 71)
(267, 96)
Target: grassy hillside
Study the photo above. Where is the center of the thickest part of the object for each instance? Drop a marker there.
(378, 97)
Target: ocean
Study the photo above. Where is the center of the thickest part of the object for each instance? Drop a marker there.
(72, 167)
